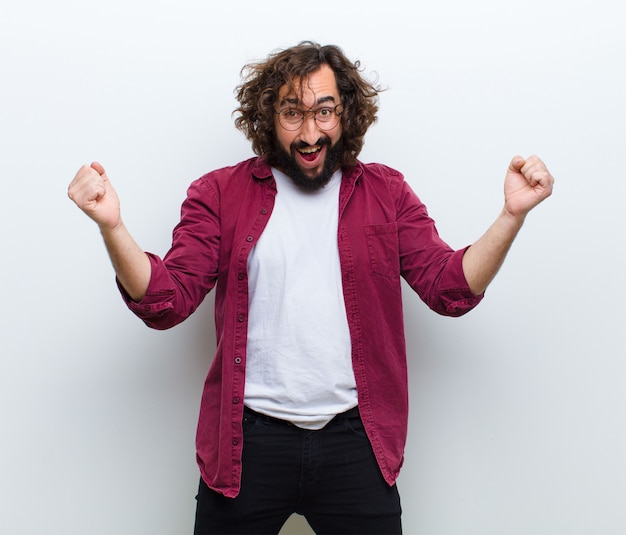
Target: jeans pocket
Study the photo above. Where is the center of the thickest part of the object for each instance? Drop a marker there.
(251, 420)
(355, 426)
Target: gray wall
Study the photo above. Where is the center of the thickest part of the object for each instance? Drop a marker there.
(517, 410)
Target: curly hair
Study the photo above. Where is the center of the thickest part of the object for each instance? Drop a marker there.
(261, 82)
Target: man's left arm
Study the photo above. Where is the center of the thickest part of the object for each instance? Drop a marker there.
(527, 183)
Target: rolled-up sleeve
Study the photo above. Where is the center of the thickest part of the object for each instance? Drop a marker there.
(455, 296)
(158, 302)
(180, 281)
(430, 266)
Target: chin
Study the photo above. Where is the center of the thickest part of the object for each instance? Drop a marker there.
(308, 179)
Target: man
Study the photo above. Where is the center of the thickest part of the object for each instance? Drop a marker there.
(305, 406)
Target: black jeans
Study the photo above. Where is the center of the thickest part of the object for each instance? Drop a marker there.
(330, 476)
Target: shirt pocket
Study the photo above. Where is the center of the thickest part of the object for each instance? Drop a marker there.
(383, 250)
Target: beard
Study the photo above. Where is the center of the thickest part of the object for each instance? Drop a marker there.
(288, 164)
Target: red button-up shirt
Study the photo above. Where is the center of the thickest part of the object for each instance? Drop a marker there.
(384, 233)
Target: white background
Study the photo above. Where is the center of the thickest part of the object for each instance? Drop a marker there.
(517, 419)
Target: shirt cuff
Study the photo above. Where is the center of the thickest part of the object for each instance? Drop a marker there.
(159, 295)
(455, 290)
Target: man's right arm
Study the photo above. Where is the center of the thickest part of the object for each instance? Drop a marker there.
(92, 192)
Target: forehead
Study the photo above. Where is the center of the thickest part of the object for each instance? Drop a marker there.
(319, 86)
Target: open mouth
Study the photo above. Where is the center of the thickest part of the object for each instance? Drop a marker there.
(310, 153)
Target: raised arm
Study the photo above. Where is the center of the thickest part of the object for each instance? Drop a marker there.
(93, 193)
(527, 183)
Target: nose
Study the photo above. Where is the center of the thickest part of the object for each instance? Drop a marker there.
(309, 132)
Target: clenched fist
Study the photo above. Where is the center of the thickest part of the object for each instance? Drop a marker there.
(528, 182)
(92, 192)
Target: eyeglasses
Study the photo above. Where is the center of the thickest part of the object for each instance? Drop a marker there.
(325, 118)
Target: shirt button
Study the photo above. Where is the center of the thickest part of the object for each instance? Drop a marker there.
(235, 401)
(249, 238)
(240, 318)
(264, 211)
(241, 276)
(237, 360)
(235, 441)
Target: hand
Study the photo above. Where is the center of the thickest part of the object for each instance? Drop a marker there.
(93, 194)
(527, 183)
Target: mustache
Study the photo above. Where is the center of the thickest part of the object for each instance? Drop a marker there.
(297, 145)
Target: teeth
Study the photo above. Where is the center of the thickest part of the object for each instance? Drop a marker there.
(309, 150)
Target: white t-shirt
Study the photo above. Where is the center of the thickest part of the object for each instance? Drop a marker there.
(298, 365)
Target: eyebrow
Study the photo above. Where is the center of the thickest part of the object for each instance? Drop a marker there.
(295, 101)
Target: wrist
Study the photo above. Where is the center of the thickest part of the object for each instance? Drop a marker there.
(110, 229)
(512, 220)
